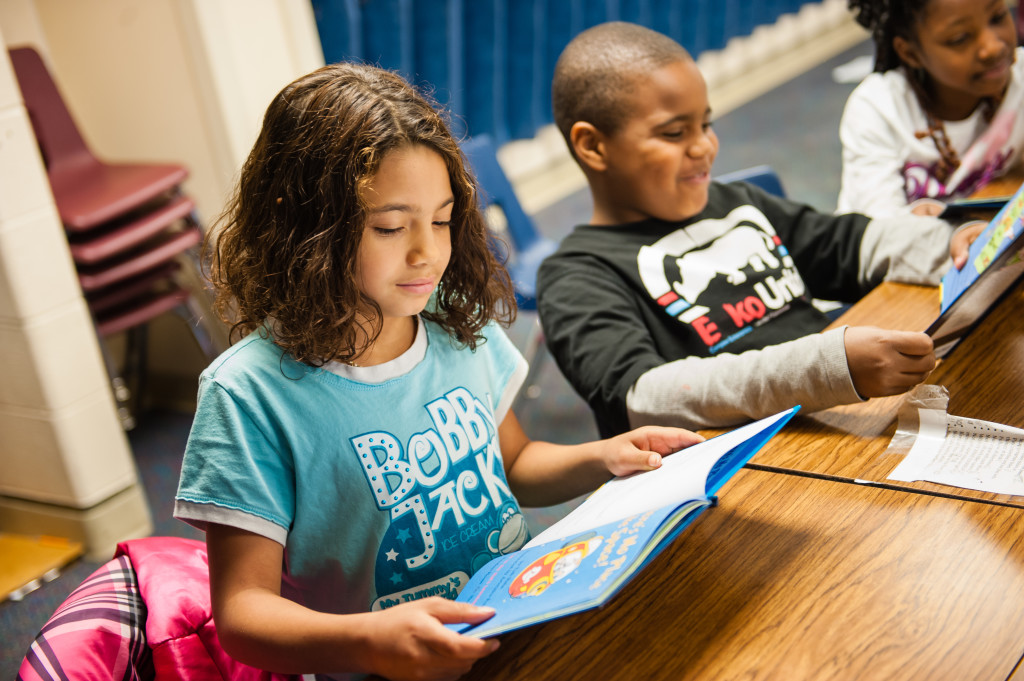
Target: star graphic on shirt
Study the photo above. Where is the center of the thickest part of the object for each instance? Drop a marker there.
(392, 555)
(396, 578)
(403, 535)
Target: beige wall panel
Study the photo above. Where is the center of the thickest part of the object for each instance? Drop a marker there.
(124, 516)
(10, 95)
(50, 361)
(76, 456)
(251, 49)
(24, 188)
(19, 22)
(36, 272)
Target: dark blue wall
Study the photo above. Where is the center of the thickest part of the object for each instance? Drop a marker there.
(490, 61)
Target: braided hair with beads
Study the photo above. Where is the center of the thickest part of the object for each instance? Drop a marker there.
(886, 20)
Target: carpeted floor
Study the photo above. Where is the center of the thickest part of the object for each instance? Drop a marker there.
(792, 128)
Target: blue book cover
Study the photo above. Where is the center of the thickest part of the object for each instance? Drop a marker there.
(1002, 231)
(994, 265)
(586, 558)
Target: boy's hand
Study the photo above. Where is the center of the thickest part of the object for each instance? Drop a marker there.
(642, 449)
(887, 362)
(961, 242)
(408, 641)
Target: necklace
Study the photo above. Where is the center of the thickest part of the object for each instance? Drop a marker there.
(949, 160)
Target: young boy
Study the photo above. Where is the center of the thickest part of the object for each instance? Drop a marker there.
(688, 302)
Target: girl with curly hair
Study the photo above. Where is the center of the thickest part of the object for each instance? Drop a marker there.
(942, 114)
(353, 458)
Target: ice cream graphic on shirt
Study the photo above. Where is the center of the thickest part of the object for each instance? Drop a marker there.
(443, 488)
(722, 277)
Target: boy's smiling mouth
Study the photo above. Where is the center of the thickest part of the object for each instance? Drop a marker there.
(698, 176)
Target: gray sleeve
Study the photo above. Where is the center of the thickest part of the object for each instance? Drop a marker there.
(911, 249)
(726, 390)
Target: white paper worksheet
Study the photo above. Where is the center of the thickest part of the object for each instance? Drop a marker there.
(968, 453)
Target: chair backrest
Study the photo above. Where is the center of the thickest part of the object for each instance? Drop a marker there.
(497, 190)
(762, 176)
(528, 246)
(55, 129)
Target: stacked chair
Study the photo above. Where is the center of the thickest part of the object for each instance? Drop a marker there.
(515, 241)
(127, 225)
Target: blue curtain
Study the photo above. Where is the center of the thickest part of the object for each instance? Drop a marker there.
(490, 61)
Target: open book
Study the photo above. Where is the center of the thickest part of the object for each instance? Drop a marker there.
(581, 561)
(994, 265)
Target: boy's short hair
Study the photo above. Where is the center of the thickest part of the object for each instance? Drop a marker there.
(599, 66)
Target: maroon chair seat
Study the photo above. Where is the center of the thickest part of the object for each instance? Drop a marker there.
(156, 252)
(88, 196)
(141, 310)
(101, 244)
(88, 191)
(104, 299)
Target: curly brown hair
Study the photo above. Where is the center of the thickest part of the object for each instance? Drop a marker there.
(284, 251)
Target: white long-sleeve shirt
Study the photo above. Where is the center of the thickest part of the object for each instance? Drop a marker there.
(886, 166)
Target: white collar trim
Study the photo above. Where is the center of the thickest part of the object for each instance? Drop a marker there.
(380, 373)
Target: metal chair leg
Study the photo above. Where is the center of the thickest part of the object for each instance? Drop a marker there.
(535, 354)
(191, 312)
(119, 387)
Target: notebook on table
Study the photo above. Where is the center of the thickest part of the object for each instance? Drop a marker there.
(968, 207)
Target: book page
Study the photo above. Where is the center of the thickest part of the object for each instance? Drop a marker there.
(544, 582)
(968, 453)
(586, 558)
(682, 477)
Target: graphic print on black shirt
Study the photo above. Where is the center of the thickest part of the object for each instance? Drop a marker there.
(721, 277)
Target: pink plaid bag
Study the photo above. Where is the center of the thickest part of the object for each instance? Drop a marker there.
(99, 632)
(144, 615)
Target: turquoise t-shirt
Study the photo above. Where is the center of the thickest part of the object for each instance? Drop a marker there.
(384, 484)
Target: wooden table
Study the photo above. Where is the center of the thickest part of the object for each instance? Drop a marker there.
(799, 574)
(797, 578)
(984, 376)
(1006, 185)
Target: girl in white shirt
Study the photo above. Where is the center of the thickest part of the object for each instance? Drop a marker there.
(941, 115)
